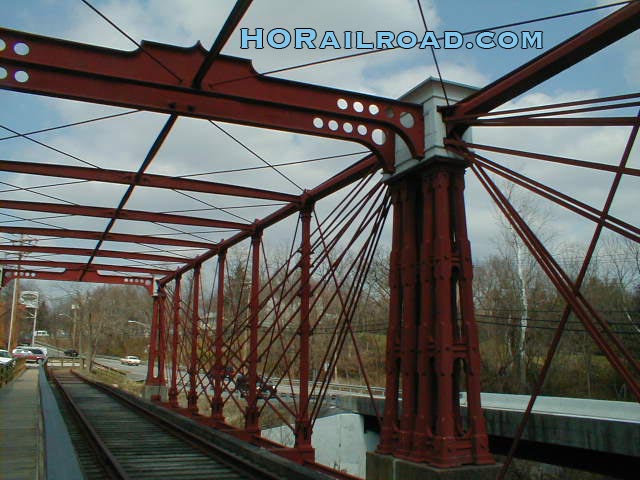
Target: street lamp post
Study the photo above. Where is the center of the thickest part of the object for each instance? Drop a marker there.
(140, 323)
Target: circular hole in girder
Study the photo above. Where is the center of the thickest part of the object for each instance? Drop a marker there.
(333, 125)
(362, 130)
(374, 109)
(378, 136)
(347, 127)
(318, 123)
(21, 76)
(2, 45)
(342, 104)
(358, 107)
(389, 112)
(21, 48)
(407, 120)
(3, 73)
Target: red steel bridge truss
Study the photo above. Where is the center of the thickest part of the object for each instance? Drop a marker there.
(211, 324)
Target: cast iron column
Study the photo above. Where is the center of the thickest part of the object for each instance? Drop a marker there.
(173, 390)
(192, 397)
(252, 420)
(303, 425)
(432, 344)
(152, 380)
(217, 404)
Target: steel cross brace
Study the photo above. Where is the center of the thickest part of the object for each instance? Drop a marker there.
(87, 252)
(138, 215)
(232, 92)
(80, 266)
(111, 237)
(143, 180)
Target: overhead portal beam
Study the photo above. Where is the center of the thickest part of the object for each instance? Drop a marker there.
(143, 180)
(76, 276)
(135, 215)
(231, 92)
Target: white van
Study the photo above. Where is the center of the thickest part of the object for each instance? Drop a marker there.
(41, 333)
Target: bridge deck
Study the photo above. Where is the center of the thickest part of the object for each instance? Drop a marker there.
(21, 428)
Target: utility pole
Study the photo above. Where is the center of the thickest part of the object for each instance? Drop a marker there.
(14, 300)
(14, 306)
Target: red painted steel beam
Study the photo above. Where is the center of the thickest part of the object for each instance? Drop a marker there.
(346, 177)
(86, 252)
(232, 92)
(136, 215)
(143, 180)
(111, 237)
(80, 266)
(563, 56)
(175, 308)
(74, 276)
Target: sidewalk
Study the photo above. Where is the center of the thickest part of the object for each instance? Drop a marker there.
(21, 429)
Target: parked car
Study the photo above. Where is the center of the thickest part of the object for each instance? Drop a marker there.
(32, 354)
(20, 352)
(71, 352)
(130, 360)
(5, 358)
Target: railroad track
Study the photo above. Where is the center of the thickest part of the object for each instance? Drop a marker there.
(132, 443)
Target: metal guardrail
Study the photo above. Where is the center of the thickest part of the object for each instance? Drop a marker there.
(112, 374)
(9, 372)
(337, 387)
(60, 454)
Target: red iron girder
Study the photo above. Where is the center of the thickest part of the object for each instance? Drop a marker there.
(555, 122)
(545, 157)
(587, 211)
(136, 215)
(143, 180)
(192, 395)
(110, 237)
(80, 266)
(232, 92)
(568, 53)
(173, 388)
(74, 276)
(101, 253)
(367, 165)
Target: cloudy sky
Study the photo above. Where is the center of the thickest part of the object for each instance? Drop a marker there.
(197, 147)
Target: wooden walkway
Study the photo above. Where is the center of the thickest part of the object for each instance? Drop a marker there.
(21, 449)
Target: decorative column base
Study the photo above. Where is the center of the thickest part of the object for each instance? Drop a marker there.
(156, 393)
(386, 467)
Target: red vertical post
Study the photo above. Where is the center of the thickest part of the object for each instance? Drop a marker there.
(392, 364)
(162, 335)
(252, 420)
(477, 428)
(153, 345)
(303, 425)
(192, 396)
(425, 364)
(409, 278)
(444, 441)
(217, 404)
(173, 389)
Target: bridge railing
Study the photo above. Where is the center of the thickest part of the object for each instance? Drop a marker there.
(11, 371)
